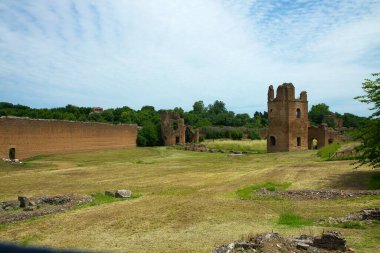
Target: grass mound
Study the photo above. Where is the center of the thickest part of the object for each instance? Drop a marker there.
(293, 220)
(246, 193)
(327, 151)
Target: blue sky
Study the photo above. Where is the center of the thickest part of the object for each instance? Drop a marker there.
(169, 53)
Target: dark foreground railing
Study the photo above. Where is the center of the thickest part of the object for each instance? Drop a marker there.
(12, 248)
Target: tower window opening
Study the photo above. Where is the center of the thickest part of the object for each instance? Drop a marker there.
(298, 113)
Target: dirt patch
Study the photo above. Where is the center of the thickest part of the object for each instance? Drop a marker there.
(273, 242)
(317, 194)
(11, 211)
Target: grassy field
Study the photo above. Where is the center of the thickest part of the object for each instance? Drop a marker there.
(189, 201)
(257, 146)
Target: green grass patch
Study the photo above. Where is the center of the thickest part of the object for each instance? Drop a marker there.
(246, 193)
(293, 220)
(101, 198)
(374, 182)
(347, 224)
(327, 151)
(255, 146)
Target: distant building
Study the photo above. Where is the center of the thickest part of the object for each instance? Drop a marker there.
(288, 124)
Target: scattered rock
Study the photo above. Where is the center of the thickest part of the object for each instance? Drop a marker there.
(24, 201)
(30, 208)
(273, 242)
(301, 245)
(331, 241)
(32, 203)
(317, 194)
(40, 206)
(123, 194)
(55, 200)
(369, 214)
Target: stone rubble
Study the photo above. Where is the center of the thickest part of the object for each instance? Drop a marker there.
(272, 242)
(119, 193)
(317, 194)
(369, 214)
(39, 206)
(12, 161)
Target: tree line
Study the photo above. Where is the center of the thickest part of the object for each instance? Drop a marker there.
(214, 120)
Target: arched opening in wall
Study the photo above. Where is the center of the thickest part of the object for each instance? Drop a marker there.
(314, 144)
(272, 140)
(12, 153)
(298, 141)
(177, 140)
(298, 113)
(330, 141)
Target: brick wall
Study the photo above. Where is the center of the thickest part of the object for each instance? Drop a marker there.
(31, 137)
(287, 120)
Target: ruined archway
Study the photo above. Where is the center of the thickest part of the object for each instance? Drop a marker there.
(12, 153)
(272, 141)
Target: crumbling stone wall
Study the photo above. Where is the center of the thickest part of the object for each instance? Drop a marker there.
(192, 135)
(323, 135)
(31, 137)
(173, 129)
(287, 119)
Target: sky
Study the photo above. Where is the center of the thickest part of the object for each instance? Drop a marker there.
(171, 53)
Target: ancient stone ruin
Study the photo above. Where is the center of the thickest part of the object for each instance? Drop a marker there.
(174, 131)
(288, 124)
(330, 241)
(24, 137)
(288, 120)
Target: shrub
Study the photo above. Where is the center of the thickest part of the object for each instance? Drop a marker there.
(236, 135)
(254, 135)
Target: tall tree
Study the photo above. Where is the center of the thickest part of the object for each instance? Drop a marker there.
(370, 133)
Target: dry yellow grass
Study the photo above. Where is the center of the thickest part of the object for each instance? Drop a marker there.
(188, 201)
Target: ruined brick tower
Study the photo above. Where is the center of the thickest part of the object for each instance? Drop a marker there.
(287, 120)
(173, 128)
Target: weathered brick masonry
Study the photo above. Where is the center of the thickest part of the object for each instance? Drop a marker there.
(30, 137)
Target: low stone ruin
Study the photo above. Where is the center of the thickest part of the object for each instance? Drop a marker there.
(12, 161)
(119, 193)
(317, 194)
(272, 242)
(368, 215)
(24, 207)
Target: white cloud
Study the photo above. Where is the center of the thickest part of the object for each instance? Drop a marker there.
(172, 52)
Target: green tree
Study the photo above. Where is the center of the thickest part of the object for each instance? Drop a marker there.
(199, 107)
(370, 133)
(318, 113)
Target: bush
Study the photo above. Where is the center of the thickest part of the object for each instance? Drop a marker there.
(236, 135)
(254, 135)
(141, 140)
